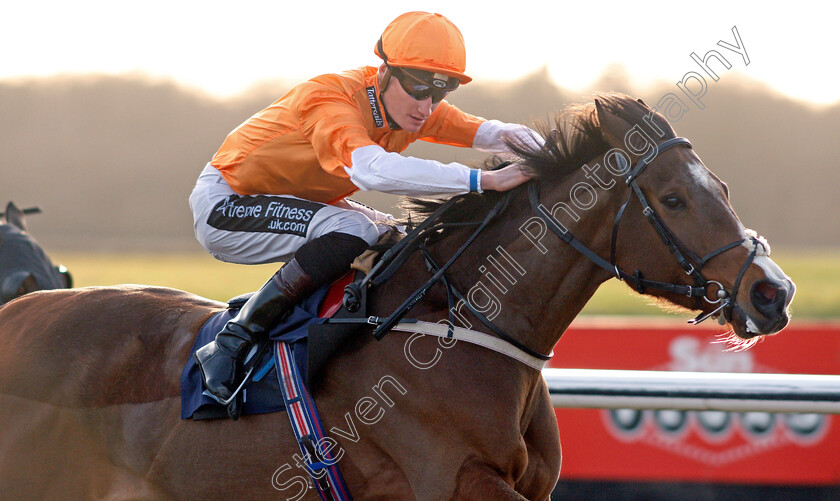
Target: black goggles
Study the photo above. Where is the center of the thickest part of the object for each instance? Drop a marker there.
(419, 88)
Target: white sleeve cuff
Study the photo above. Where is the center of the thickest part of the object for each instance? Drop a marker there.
(376, 169)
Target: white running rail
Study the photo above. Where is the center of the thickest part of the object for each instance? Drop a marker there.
(733, 392)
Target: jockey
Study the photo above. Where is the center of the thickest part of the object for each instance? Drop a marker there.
(276, 189)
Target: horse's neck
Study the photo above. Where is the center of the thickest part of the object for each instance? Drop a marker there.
(557, 281)
(532, 295)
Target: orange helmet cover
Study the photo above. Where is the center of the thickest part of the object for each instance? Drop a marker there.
(424, 41)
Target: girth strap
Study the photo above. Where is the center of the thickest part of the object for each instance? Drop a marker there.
(309, 432)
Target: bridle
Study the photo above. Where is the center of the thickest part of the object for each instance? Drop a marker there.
(690, 262)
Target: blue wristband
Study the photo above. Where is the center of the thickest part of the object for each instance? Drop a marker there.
(473, 179)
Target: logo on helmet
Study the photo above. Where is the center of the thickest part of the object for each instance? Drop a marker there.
(440, 80)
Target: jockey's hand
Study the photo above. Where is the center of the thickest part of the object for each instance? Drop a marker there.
(505, 178)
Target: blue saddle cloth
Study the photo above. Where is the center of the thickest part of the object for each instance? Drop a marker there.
(261, 395)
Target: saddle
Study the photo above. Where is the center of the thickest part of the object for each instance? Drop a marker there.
(314, 342)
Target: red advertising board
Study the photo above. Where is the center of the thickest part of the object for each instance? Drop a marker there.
(709, 446)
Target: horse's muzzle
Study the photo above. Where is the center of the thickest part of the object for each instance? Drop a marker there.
(769, 298)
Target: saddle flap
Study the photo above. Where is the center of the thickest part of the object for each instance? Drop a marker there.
(325, 339)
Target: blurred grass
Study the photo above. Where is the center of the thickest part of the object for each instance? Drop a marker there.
(194, 272)
(816, 274)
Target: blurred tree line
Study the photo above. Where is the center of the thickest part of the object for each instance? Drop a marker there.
(112, 160)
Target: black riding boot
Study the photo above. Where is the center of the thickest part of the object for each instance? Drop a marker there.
(221, 360)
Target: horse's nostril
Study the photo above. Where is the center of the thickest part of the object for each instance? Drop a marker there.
(766, 292)
(768, 297)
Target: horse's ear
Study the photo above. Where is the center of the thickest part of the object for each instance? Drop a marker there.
(634, 140)
(14, 216)
(642, 103)
(613, 128)
(16, 285)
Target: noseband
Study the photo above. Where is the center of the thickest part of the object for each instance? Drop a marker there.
(689, 261)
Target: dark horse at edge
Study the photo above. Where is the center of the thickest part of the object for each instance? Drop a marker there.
(24, 266)
(89, 378)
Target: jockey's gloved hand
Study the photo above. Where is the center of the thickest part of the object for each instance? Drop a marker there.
(493, 135)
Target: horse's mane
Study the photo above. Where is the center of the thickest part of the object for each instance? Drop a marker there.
(574, 139)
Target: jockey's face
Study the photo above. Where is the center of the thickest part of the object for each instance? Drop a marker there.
(408, 112)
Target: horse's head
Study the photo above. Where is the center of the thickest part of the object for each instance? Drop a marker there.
(679, 227)
(24, 266)
(640, 206)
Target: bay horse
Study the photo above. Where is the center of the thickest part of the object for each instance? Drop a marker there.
(89, 378)
(24, 266)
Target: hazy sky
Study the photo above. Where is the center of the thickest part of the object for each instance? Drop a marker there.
(225, 47)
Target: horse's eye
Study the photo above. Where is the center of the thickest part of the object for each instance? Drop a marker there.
(673, 202)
